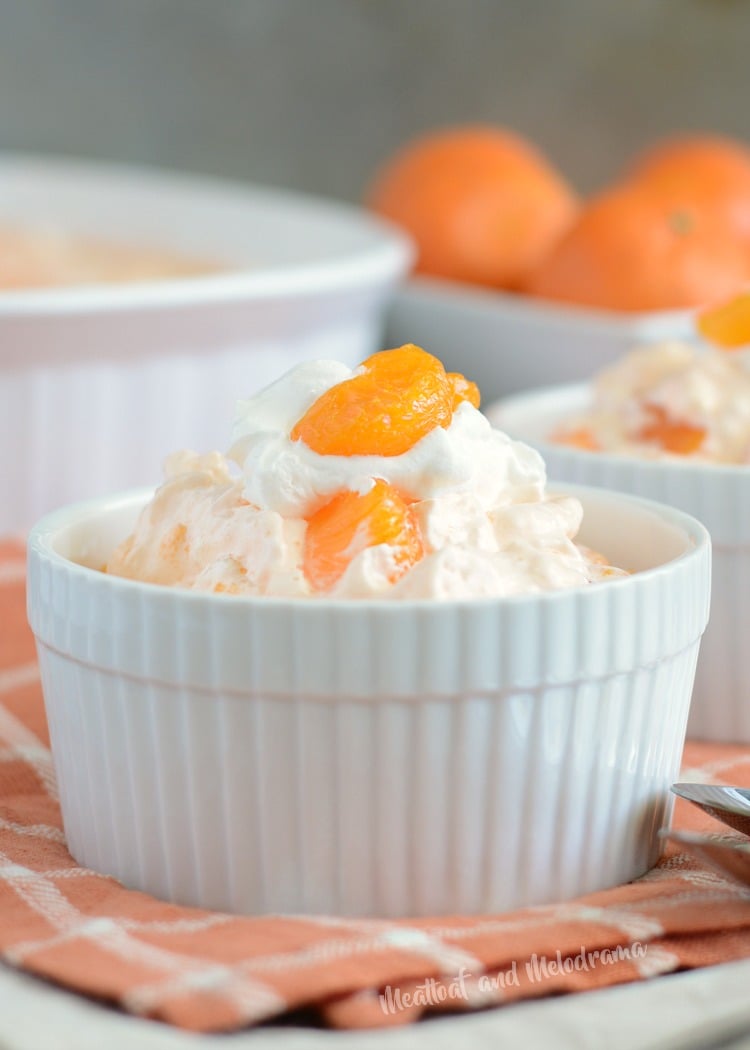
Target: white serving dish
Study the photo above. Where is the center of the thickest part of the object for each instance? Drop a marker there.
(368, 757)
(507, 342)
(97, 384)
(718, 495)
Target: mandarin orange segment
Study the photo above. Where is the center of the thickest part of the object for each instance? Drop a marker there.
(727, 325)
(463, 390)
(672, 435)
(349, 523)
(396, 398)
(578, 437)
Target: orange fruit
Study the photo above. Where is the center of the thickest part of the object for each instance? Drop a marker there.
(672, 434)
(713, 168)
(463, 390)
(349, 523)
(396, 398)
(727, 325)
(638, 247)
(481, 203)
(578, 437)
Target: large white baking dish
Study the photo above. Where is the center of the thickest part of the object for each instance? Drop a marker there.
(98, 383)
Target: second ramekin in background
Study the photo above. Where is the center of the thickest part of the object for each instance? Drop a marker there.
(369, 757)
(716, 494)
(99, 383)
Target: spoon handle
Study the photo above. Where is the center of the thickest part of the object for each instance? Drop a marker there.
(730, 805)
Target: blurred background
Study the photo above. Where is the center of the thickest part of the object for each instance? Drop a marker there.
(313, 95)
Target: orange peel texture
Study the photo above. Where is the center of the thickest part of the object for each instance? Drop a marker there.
(396, 398)
(351, 522)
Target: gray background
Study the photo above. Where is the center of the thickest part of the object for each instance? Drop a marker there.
(312, 94)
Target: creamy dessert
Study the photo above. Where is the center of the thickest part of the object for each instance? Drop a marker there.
(675, 399)
(667, 400)
(385, 481)
(42, 257)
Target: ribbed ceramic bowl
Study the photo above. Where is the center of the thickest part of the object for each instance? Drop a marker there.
(717, 495)
(99, 383)
(368, 757)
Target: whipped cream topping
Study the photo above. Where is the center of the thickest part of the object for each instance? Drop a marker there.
(701, 386)
(478, 496)
(286, 476)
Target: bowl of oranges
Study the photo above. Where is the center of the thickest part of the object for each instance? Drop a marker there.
(522, 282)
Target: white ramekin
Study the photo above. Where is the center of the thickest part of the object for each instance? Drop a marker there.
(98, 384)
(718, 495)
(369, 757)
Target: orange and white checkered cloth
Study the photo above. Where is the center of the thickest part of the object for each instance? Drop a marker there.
(209, 971)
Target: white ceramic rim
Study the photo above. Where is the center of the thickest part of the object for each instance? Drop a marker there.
(640, 323)
(42, 537)
(385, 250)
(570, 398)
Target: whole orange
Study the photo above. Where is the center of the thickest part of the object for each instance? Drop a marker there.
(481, 203)
(713, 168)
(640, 247)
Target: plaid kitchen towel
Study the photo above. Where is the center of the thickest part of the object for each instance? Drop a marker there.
(210, 971)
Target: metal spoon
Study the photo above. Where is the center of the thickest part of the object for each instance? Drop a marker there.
(724, 853)
(731, 805)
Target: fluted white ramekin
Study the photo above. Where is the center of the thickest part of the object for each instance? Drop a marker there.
(369, 757)
(718, 495)
(98, 384)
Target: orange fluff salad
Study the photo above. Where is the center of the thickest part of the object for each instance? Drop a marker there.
(385, 481)
(675, 399)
